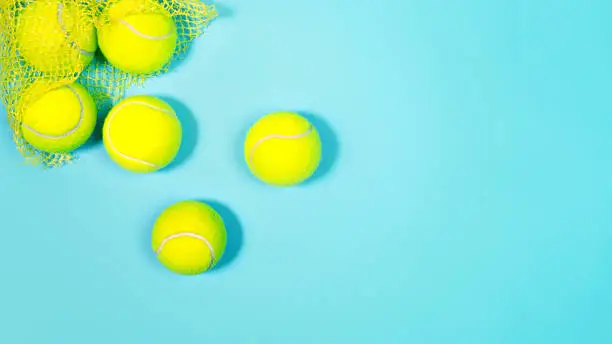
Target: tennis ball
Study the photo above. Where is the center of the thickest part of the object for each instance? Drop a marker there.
(282, 149)
(58, 119)
(56, 36)
(189, 237)
(138, 38)
(142, 134)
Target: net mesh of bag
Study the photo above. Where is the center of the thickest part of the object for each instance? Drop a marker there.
(47, 43)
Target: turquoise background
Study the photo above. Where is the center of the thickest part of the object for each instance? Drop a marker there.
(464, 197)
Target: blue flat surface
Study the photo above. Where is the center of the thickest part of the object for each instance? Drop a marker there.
(465, 196)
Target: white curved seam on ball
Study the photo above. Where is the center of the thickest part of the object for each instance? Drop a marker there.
(110, 120)
(71, 131)
(157, 108)
(191, 235)
(60, 11)
(133, 29)
(277, 136)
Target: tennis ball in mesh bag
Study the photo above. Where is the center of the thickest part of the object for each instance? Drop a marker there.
(282, 149)
(142, 134)
(138, 37)
(56, 36)
(58, 119)
(189, 237)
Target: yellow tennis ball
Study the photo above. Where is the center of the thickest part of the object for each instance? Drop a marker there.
(138, 37)
(59, 120)
(56, 36)
(282, 149)
(189, 237)
(142, 134)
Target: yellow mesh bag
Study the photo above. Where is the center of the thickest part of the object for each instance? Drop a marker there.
(46, 43)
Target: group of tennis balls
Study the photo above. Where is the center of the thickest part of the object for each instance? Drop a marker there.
(142, 134)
